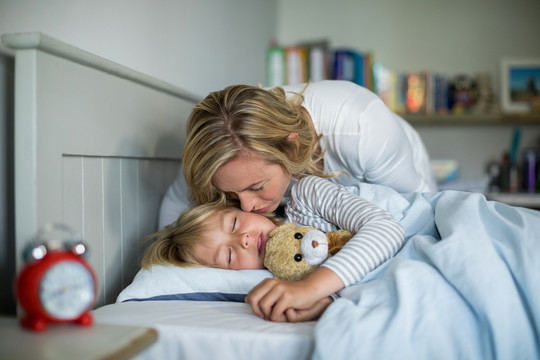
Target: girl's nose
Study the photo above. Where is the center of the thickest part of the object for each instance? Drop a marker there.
(244, 240)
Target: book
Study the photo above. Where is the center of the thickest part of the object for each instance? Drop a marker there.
(368, 71)
(401, 89)
(317, 60)
(275, 66)
(354, 66)
(416, 92)
(385, 85)
(343, 65)
(296, 60)
(441, 94)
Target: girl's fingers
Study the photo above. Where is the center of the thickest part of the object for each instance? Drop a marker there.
(256, 298)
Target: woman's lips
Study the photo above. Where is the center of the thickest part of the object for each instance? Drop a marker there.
(258, 211)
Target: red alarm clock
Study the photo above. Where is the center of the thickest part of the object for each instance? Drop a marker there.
(56, 285)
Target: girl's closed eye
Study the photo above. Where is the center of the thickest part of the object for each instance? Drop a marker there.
(234, 224)
(255, 189)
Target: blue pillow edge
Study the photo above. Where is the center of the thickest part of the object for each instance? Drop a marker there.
(198, 296)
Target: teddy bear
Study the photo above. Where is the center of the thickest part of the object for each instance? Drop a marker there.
(293, 252)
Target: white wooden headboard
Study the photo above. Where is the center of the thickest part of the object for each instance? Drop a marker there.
(96, 146)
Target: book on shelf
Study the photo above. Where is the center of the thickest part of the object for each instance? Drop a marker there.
(352, 65)
(295, 64)
(275, 66)
(296, 59)
(386, 85)
(317, 60)
(441, 95)
(412, 92)
(416, 95)
(314, 61)
(409, 93)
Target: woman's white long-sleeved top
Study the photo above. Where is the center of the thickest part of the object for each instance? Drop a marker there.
(327, 206)
(363, 137)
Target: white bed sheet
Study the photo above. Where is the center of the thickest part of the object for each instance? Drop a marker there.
(211, 330)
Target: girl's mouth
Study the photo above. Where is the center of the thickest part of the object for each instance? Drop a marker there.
(261, 244)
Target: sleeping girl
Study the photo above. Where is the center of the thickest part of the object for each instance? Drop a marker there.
(224, 236)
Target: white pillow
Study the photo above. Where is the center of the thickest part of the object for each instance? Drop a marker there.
(177, 283)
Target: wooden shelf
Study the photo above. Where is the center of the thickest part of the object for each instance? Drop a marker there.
(70, 341)
(474, 120)
(517, 199)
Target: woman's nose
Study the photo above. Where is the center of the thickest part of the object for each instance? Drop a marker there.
(247, 202)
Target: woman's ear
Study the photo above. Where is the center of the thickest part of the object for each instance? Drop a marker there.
(293, 136)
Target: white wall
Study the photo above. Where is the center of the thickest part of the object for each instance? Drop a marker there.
(438, 35)
(460, 36)
(199, 45)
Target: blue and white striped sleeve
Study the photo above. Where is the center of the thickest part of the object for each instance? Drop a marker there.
(327, 206)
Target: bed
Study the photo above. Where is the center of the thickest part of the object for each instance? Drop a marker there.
(97, 145)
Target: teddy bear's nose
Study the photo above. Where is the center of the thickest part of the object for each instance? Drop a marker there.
(314, 246)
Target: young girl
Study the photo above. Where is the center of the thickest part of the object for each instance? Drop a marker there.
(226, 237)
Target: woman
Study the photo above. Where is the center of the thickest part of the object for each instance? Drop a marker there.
(248, 143)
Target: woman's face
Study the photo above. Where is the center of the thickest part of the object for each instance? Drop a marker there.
(258, 184)
(235, 240)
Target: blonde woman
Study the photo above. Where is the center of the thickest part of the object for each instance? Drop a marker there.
(249, 144)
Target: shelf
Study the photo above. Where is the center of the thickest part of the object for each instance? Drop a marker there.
(517, 199)
(70, 341)
(474, 120)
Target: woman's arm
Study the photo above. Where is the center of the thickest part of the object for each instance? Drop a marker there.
(322, 204)
(327, 206)
(392, 152)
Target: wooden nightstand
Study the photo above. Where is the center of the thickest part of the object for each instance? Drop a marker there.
(73, 342)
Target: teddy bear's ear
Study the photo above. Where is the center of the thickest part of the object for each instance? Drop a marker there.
(284, 227)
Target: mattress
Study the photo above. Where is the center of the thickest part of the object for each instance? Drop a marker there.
(210, 330)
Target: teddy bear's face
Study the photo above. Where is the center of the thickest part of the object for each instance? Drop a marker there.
(284, 256)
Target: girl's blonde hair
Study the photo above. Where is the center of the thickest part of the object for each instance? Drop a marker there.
(243, 118)
(175, 244)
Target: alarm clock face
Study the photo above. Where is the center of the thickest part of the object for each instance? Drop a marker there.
(66, 290)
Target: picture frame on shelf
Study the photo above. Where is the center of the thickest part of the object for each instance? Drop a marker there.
(520, 85)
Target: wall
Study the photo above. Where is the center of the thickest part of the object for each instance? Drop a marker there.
(198, 45)
(437, 35)
(450, 37)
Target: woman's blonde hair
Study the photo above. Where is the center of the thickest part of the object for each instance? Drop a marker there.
(175, 244)
(244, 118)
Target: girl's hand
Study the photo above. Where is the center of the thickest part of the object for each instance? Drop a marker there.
(294, 315)
(272, 298)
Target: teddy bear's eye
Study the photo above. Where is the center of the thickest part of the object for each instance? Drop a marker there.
(297, 236)
(298, 257)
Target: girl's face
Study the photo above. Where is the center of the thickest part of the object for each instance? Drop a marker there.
(236, 240)
(258, 184)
